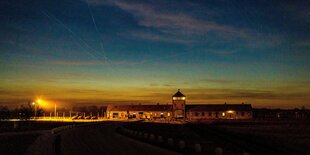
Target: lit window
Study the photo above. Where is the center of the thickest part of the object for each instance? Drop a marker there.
(178, 98)
(230, 111)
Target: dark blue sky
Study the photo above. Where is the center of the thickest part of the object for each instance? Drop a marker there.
(149, 47)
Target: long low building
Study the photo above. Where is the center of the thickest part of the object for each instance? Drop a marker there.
(179, 110)
(139, 111)
(219, 111)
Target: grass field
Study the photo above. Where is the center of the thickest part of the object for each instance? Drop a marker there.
(255, 137)
(235, 137)
(292, 137)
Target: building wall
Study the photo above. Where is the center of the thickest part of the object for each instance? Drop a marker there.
(179, 107)
(139, 114)
(218, 115)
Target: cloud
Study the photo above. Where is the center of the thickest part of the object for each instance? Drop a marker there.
(162, 85)
(174, 26)
(245, 94)
(298, 10)
(91, 63)
(220, 81)
(164, 24)
(5, 93)
(303, 43)
(162, 37)
(169, 22)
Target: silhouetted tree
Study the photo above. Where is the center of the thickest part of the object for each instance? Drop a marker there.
(25, 111)
(4, 112)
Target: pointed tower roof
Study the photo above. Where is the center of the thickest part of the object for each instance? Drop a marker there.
(178, 94)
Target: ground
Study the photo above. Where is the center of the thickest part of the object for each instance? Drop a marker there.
(15, 139)
(235, 137)
(103, 139)
(255, 137)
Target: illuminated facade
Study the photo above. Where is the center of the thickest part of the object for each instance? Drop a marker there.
(219, 111)
(178, 105)
(179, 110)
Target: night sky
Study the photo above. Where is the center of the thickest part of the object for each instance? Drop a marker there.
(103, 52)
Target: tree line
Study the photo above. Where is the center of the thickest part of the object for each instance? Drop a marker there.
(22, 112)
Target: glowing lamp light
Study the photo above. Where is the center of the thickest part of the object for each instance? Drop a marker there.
(223, 114)
(178, 98)
(230, 111)
(33, 103)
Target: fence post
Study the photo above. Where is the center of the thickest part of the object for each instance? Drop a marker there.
(152, 137)
(181, 144)
(218, 151)
(145, 135)
(197, 148)
(170, 141)
(160, 139)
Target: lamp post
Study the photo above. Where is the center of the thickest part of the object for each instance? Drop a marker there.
(55, 110)
(35, 109)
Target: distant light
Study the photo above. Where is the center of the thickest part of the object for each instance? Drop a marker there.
(230, 111)
(178, 98)
(38, 100)
(33, 103)
(223, 114)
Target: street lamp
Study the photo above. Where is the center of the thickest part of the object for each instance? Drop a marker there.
(35, 109)
(55, 110)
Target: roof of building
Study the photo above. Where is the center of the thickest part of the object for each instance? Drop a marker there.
(139, 107)
(178, 94)
(219, 107)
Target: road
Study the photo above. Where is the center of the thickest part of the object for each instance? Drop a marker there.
(102, 140)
